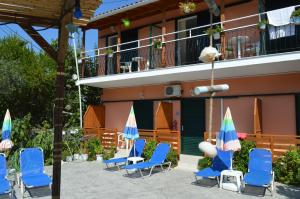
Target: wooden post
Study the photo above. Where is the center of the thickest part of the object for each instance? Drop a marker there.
(272, 146)
(155, 135)
(63, 38)
(118, 50)
(223, 38)
(83, 53)
(164, 31)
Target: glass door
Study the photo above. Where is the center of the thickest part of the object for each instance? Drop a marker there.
(111, 60)
(186, 48)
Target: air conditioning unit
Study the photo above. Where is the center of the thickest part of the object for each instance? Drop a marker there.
(173, 91)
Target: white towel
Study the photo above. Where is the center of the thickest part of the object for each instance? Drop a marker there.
(281, 31)
(280, 17)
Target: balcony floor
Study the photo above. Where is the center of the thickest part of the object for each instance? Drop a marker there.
(253, 66)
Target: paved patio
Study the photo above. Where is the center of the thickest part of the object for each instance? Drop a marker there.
(88, 180)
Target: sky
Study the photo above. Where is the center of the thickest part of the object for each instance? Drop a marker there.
(51, 34)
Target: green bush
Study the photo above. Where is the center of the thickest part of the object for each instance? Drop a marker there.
(44, 139)
(108, 153)
(204, 163)
(172, 157)
(94, 147)
(241, 158)
(287, 167)
(149, 149)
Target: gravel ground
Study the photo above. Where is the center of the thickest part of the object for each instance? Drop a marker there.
(89, 180)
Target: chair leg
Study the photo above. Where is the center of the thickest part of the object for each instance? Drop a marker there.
(22, 189)
(141, 173)
(151, 171)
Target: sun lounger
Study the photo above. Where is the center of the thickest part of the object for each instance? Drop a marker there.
(5, 186)
(32, 169)
(139, 148)
(219, 163)
(158, 158)
(260, 173)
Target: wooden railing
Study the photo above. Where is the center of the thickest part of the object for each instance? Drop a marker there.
(168, 136)
(278, 144)
(107, 136)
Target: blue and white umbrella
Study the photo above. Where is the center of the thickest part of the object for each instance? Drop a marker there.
(227, 139)
(131, 130)
(6, 143)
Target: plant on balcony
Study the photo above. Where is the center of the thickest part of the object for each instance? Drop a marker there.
(126, 23)
(262, 24)
(109, 52)
(217, 32)
(296, 16)
(187, 7)
(157, 44)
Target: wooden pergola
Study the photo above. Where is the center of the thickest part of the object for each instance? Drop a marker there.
(50, 14)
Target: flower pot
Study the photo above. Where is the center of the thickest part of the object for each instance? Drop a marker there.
(99, 158)
(296, 20)
(217, 35)
(262, 26)
(83, 157)
(186, 10)
(76, 156)
(69, 159)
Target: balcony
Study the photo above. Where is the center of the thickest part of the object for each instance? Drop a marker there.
(175, 55)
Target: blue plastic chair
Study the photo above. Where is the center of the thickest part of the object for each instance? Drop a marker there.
(139, 148)
(260, 172)
(158, 158)
(5, 186)
(32, 169)
(219, 163)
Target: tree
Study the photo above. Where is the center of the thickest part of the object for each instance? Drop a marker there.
(26, 81)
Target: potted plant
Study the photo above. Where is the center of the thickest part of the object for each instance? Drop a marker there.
(84, 152)
(99, 151)
(262, 24)
(109, 52)
(209, 31)
(217, 32)
(296, 16)
(126, 23)
(187, 7)
(157, 43)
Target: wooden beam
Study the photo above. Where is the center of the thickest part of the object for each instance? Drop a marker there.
(21, 18)
(63, 37)
(39, 40)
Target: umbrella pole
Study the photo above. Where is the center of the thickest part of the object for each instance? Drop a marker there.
(212, 94)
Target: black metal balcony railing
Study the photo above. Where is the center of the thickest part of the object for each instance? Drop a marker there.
(235, 43)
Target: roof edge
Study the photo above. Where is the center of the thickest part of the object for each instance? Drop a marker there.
(121, 9)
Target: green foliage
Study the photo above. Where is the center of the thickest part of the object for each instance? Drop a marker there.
(172, 157)
(26, 83)
(149, 149)
(22, 131)
(287, 168)
(262, 22)
(109, 153)
(296, 13)
(94, 148)
(44, 139)
(204, 163)
(241, 158)
(13, 161)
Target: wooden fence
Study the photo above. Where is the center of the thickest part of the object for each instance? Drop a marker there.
(278, 144)
(107, 136)
(168, 136)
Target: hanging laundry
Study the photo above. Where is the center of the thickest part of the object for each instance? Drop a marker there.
(280, 23)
